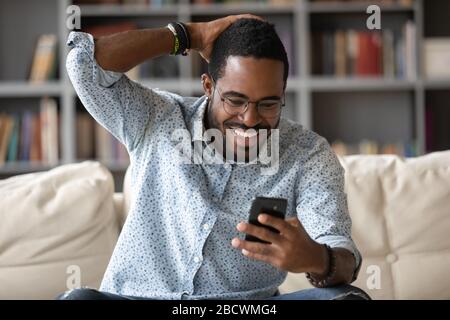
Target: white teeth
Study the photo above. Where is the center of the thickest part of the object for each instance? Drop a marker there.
(246, 134)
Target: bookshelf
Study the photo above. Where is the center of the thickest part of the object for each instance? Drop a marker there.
(349, 108)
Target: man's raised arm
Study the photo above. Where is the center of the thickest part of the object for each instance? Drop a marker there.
(122, 51)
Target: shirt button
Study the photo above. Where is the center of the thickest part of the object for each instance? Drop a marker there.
(197, 259)
(227, 166)
(205, 226)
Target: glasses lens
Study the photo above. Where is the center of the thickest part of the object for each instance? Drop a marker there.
(234, 105)
(266, 108)
(269, 108)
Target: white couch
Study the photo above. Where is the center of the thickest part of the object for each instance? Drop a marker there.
(58, 228)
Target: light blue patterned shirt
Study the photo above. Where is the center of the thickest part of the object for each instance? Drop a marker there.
(176, 241)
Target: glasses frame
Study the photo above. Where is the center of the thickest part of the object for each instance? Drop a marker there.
(222, 98)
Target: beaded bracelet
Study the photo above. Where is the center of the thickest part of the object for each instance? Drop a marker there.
(176, 46)
(186, 37)
(331, 271)
(182, 41)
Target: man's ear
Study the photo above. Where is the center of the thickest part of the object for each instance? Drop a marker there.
(207, 85)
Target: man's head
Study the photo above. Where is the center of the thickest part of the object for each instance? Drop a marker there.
(248, 63)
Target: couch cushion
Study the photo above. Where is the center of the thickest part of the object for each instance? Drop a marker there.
(401, 220)
(53, 220)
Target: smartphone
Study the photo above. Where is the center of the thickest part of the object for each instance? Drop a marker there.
(273, 206)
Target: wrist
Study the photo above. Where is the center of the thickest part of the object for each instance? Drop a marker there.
(195, 34)
(329, 277)
(321, 261)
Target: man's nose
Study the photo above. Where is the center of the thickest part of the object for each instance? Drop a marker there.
(251, 117)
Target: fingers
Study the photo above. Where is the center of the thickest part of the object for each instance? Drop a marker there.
(294, 222)
(281, 225)
(257, 256)
(259, 232)
(255, 250)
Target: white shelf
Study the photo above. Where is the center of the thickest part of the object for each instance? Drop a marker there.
(441, 83)
(27, 89)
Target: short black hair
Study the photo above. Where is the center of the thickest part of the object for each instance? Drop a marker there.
(247, 38)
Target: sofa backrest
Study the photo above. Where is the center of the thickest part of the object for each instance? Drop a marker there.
(58, 229)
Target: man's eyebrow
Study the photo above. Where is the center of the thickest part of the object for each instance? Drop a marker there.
(241, 95)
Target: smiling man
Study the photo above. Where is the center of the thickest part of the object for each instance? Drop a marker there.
(184, 235)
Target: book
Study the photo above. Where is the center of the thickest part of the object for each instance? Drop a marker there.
(371, 147)
(316, 53)
(369, 52)
(44, 62)
(13, 144)
(25, 136)
(6, 129)
(328, 53)
(410, 50)
(340, 55)
(85, 134)
(352, 51)
(389, 53)
(36, 146)
(49, 130)
(436, 52)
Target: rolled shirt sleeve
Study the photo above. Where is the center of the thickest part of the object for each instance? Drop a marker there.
(322, 202)
(124, 107)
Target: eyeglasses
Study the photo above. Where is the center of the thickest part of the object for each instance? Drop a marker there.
(267, 108)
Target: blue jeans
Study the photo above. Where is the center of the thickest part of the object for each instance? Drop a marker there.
(345, 292)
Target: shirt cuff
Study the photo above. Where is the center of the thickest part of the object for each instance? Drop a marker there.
(85, 42)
